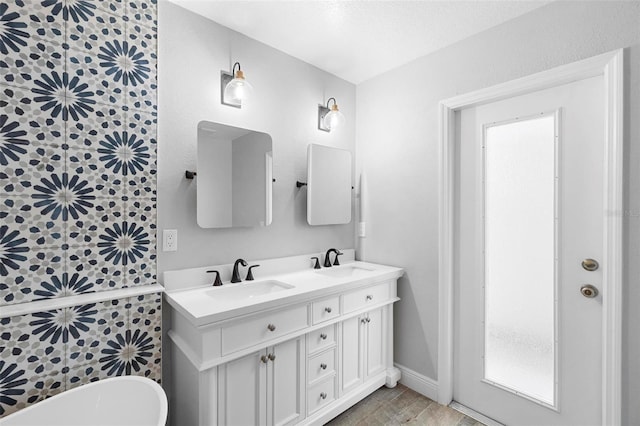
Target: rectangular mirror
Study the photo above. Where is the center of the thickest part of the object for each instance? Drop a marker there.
(234, 180)
(329, 185)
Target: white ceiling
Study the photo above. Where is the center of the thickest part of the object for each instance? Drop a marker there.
(359, 39)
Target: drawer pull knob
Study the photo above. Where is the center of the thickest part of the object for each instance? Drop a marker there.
(323, 336)
(363, 320)
(323, 366)
(271, 327)
(323, 395)
(264, 359)
(368, 319)
(327, 310)
(272, 357)
(369, 297)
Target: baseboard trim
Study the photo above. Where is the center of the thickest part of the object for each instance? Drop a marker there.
(418, 382)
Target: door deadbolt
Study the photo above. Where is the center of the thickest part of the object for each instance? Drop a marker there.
(590, 265)
(589, 291)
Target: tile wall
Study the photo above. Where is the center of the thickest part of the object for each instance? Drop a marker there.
(77, 193)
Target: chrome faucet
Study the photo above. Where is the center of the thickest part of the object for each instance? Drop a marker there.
(327, 258)
(235, 277)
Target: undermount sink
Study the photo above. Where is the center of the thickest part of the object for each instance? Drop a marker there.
(344, 271)
(247, 289)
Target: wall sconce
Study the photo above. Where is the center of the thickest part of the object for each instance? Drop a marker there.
(329, 119)
(234, 89)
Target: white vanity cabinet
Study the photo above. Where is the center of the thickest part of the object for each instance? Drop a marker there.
(301, 360)
(263, 388)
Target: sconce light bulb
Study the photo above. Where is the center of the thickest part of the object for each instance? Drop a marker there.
(238, 90)
(334, 118)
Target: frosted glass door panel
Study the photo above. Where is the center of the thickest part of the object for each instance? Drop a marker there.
(520, 247)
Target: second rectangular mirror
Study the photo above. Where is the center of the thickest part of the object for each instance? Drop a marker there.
(329, 185)
(234, 183)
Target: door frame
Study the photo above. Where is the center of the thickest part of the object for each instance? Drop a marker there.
(610, 66)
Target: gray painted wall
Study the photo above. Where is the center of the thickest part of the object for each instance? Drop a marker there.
(287, 91)
(403, 183)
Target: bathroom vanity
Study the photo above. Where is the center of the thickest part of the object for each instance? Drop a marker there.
(295, 346)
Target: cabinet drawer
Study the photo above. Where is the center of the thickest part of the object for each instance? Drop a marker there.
(322, 365)
(261, 328)
(321, 394)
(320, 339)
(359, 299)
(326, 309)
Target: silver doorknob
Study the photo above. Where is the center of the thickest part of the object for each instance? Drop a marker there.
(589, 291)
(323, 395)
(590, 265)
(271, 327)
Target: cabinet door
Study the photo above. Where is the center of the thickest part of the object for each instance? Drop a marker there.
(375, 336)
(242, 391)
(286, 382)
(351, 341)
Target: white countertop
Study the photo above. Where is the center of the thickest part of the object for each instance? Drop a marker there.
(201, 305)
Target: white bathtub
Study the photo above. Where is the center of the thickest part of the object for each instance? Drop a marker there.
(118, 401)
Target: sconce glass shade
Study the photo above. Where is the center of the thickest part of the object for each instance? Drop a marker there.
(334, 118)
(238, 90)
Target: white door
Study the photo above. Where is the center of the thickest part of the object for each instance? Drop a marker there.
(529, 210)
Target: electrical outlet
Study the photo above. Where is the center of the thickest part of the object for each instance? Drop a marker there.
(170, 240)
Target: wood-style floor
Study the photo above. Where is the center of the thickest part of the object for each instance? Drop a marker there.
(399, 406)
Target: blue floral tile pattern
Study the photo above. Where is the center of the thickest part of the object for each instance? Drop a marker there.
(34, 59)
(33, 20)
(22, 216)
(13, 142)
(87, 166)
(145, 314)
(77, 192)
(87, 261)
(87, 134)
(31, 368)
(23, 114)
(21, 43)
(140, 264)
(126, 62)
(143, 12)
(65, 285)
(64, 95)
(88, 67)
(88, 34)
(101, 216)
(106, 321)
(13, 33)
(23, 268)
(141, 91)
(14, 247)
(13, 381)
(117, 7)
